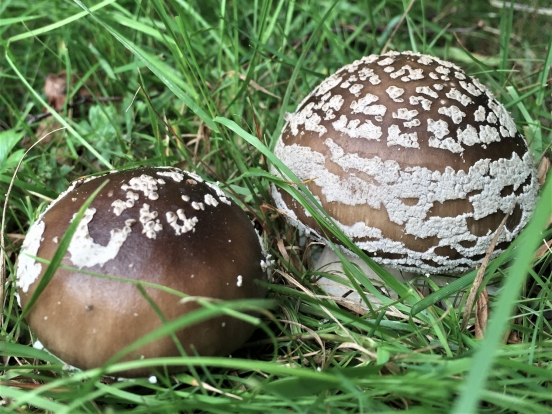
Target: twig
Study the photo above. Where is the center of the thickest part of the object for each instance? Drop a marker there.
(31, 119)
(521, 7)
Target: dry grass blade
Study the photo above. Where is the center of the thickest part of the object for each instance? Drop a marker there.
(2, 227)
(481, 314)
(480, 274)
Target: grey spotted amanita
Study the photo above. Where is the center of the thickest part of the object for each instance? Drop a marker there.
(148, 225)
(415, 161)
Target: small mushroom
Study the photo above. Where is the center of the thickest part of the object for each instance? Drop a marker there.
(415, 161)
(143, 226)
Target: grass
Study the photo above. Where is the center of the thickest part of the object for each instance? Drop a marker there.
(204, 86)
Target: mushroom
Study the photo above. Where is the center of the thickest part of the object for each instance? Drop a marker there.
(160, 226)
(414, 160)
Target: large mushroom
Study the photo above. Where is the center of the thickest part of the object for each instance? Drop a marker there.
(162, 226)
(414, 160)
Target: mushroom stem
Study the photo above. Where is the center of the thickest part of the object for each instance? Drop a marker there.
(329, 262)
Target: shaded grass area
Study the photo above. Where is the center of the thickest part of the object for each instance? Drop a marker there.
(205, 86)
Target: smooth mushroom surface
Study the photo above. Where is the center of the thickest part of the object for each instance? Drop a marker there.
(156, 225)
(415, 161)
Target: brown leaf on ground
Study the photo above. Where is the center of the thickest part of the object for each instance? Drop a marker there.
(56, 90)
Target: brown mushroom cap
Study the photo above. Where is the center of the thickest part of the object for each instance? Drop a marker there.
(417, 162)
(158, 225)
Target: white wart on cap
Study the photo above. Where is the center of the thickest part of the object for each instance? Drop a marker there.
(158, 225)
(416, 162)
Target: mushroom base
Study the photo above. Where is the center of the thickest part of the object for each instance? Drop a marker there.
(346, 295)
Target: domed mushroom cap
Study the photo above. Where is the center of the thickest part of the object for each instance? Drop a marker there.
(157, 225)
(416, 162)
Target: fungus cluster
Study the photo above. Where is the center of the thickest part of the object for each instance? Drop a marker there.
(414, 160)
(157, 225)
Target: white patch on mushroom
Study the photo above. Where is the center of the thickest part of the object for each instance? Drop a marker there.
(186, 198)
(145, 183)
(365, 73)
(440, 139)
(459, 96)
(374, 80)
(408, 140)
(370, 58)
(504, 118)
(308, 118)
(404, 113)
(150, 224)
(479, 114)
(388, 69)
(415, 100)
(239, 282)
(390, 183)
(488, 134)
(194, 177)
(385, 62)
(377, 110)
(198, 206)
(210, 200)
(220, 194)
(470, 88)
(55, 239)
(330, 83)
(426, 90)
(413, 74)
(459, 75)
(395, 93)
(356, 88)
(367, 130)
(438, 86)
(453, 112)
(468, 136)
(425, 60)
(491, 118)
(411, 124)
(187, 225)
(446, 144)
(28, 269)
(439, 127)
(335, 103)
(225, 200)
(362, 103)
(87, 253)
(266, 264)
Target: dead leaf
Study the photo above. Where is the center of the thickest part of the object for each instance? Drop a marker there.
(55, 88)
